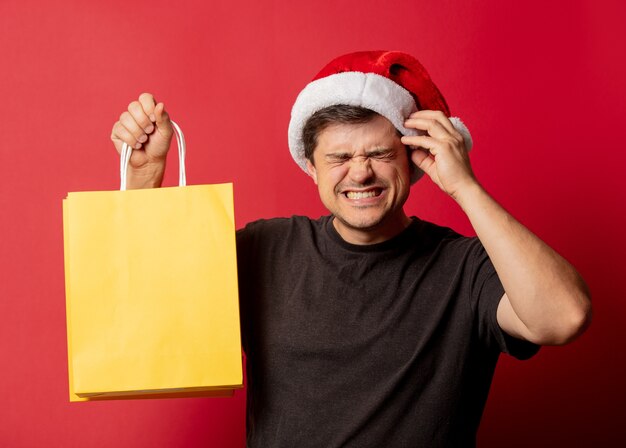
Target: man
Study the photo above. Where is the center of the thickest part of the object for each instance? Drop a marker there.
(368, 327)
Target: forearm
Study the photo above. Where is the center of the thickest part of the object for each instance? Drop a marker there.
(544, 290)
(546, 301)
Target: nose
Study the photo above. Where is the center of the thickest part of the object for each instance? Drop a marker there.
(361, 170)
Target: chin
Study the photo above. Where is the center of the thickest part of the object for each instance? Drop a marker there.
(363, 223)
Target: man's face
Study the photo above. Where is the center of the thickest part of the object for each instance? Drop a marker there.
(363, 177)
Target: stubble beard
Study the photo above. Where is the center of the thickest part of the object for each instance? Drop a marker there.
(362, 224)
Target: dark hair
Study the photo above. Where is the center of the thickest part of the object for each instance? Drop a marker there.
(320, 120)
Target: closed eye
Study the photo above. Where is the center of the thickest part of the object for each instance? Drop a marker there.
(338, 158)
(382, 154)
(377, 154)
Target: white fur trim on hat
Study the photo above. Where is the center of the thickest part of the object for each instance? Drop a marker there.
(368, 90)
(462, 129)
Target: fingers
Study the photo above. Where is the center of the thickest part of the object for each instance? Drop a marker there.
(440, 133)
(121, 135)
(138, 122)
(439, 150)
(140, 114)
(148, 103)
(138, 135)
(134, 124)
(162, 120)
(423, 161)
(154, 111)
(428, 144)
(435, 123)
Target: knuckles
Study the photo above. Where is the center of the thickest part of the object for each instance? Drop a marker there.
(147, 97)
(440, 115)
(136, 109)
(457, 139)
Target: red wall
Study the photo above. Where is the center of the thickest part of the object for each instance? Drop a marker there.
(540, 84)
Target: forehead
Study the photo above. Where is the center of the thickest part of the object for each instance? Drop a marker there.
(376, 133)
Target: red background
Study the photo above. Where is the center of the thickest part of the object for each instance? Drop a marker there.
(538, 83)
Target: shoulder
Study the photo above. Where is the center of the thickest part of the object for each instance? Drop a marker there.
(281, 224)
(435, 231)
(280, 228)
(448, 243)
(438, 235)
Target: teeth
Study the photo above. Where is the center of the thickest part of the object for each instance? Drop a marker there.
(360, 194)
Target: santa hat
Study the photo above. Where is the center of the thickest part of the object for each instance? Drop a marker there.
(392, 83)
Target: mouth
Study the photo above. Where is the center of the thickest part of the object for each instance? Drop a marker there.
(363, 194)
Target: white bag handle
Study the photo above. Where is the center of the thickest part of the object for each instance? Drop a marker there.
(180, 140)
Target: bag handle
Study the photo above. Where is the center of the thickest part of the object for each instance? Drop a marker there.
(180, 140)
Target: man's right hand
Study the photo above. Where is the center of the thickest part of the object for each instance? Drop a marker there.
(147, 129)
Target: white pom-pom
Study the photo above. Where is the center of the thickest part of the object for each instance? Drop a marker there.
(460, 126)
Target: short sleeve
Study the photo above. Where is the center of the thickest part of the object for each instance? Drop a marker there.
(245, 269)
(487, 291)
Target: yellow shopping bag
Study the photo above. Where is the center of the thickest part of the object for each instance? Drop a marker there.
(151, 291)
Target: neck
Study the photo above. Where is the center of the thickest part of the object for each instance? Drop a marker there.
(372, 235)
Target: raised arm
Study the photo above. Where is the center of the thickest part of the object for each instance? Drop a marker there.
(545, 301)
(146, 127)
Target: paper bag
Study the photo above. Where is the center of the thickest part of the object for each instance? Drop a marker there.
(151, 292)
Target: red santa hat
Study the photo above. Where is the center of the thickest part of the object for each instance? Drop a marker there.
(392, 83)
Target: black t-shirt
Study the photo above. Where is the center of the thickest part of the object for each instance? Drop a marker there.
(385, 345)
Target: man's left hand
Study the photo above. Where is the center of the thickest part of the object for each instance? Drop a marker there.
(441, 152)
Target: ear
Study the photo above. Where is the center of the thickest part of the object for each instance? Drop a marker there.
(312, 171)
